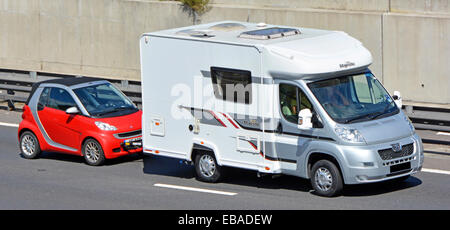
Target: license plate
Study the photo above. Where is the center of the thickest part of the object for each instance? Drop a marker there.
(400, 167)
(133, 142)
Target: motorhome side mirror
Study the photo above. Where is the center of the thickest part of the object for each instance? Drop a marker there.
(316, 121)
(72, 110)
(279, 129)
(304, 119)
(398, 99)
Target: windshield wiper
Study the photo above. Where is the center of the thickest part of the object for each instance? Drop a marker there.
(114, 110)
(358, 118)
(371, 116)
(384, 110)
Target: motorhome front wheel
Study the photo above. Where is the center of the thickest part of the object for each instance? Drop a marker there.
(326, 179)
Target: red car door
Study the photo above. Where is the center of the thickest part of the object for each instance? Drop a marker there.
(60, 127)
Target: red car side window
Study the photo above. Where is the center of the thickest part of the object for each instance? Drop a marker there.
(60, 99)
(43, 99)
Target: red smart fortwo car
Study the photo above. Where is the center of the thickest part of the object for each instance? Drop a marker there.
(80, 116)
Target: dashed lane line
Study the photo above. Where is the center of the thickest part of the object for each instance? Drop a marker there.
(436, 171)
(9, 124)
(195, 189)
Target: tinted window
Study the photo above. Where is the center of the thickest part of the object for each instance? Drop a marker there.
(353, 98)
(104, 100)
(232, 85)
(60, 99)
(43, 99)
(362, 90)
(292, 101)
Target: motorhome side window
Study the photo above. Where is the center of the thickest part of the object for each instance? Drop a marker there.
(292, 101)
(232, 85)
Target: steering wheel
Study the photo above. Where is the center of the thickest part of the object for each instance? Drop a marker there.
(326, 104)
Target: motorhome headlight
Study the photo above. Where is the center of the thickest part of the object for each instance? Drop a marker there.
(350, 135)
(411, 126)
(105, 126)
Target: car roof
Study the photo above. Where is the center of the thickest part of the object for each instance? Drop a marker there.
(68, 81)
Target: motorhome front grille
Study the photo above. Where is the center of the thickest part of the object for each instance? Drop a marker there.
(389, 154)
(128, 134)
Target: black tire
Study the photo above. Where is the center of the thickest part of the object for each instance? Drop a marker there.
(206, 168)
(29, 145)
(326, 179)
(93, 152)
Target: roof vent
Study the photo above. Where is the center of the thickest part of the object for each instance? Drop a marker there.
(269, 33)
(227, 27)
(196, 33)
(261, 24)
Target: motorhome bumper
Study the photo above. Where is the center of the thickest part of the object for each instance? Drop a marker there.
(371, 176)
(366, 165)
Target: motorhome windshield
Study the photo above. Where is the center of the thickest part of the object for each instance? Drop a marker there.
(354, 98)
(104, 100)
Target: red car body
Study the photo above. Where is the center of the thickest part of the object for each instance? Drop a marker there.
(57, 130)
(72, 130)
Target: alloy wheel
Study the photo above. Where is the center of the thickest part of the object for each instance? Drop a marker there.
(28, 145)
(207, 165)
(323, 179)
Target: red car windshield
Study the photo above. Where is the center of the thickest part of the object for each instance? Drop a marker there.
(103, 99)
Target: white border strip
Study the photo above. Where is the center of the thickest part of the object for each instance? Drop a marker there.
(443, 133)
(436, 171)
(9, 124)
(195, 189)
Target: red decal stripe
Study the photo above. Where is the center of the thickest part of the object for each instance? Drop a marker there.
(231, 121)
(215, 116)
(260, 152)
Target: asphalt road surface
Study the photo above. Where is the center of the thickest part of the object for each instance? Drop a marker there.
(57, 181)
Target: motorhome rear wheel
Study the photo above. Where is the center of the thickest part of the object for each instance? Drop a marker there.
(207, 168)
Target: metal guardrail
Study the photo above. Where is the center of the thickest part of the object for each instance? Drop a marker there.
(15, 86)
(429, 118)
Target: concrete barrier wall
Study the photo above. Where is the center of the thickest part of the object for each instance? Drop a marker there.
(409, 39)
(421, 6)
(357, 5)
(416, 58)
(81, 37)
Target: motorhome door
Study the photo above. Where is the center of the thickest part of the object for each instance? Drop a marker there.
(290, 140)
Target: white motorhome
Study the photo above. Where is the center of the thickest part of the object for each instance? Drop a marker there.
(274, 99)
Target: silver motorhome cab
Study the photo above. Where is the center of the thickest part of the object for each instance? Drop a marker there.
(274, 99)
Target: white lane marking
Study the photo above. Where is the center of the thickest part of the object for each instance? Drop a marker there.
(9, 124)
(195, 189)
(436, 171)
(443, 133)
